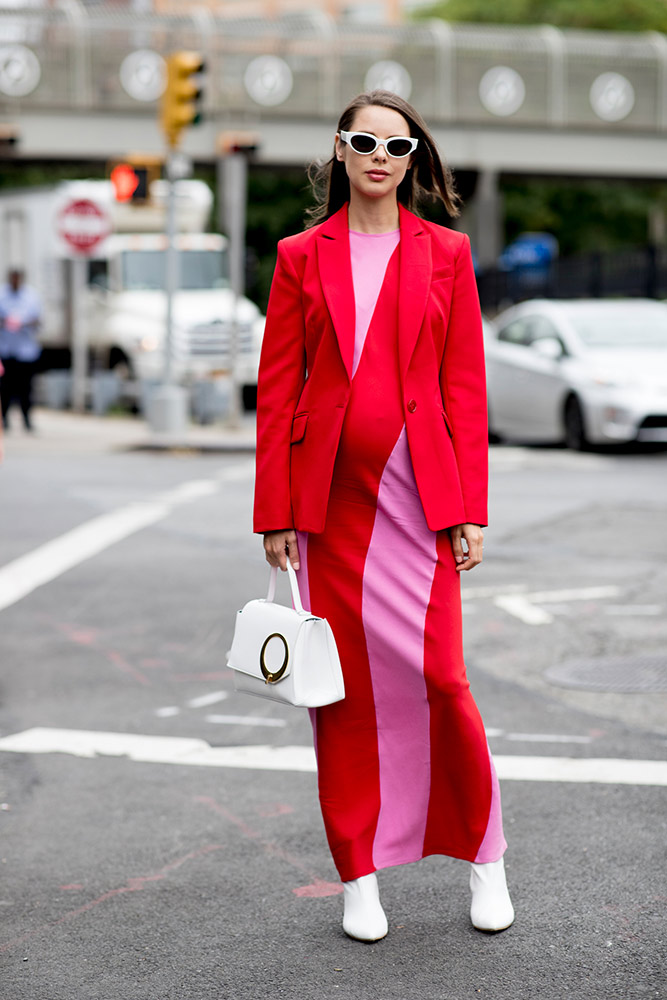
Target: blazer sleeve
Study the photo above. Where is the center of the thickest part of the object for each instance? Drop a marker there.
(463, 386)
(282, 370)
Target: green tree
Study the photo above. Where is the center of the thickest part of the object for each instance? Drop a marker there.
(583, 214)
(277, 203)
(603, 15)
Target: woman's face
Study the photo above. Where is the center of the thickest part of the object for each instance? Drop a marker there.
(375, 175)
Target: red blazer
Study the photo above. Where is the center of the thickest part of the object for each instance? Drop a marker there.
(306, 362)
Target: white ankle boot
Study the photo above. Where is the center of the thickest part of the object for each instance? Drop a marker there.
(363, 916)
(491, 908)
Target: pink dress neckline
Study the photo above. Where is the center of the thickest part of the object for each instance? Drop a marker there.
(369, 256)
(390, 232)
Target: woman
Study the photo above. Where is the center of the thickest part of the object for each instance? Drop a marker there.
(371, 479)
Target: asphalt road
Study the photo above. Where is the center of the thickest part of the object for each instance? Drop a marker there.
(126, 877)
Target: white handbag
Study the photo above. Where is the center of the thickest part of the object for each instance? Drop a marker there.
(285, 654)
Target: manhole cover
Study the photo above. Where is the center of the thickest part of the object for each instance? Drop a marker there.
(620, 674)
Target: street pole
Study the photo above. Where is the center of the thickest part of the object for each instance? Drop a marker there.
(180, 108)
(171, 272)
(168, 405)
(79, 340)
(235, 194)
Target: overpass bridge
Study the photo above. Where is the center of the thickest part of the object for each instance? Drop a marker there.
(84, 82)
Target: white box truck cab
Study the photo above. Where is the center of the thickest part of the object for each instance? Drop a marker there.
(123, 308)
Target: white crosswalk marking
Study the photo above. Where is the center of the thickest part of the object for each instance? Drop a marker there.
(245, 720)
(198, 753)
(204, 700)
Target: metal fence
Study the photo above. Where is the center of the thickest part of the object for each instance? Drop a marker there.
(637, 271)
(107, 58)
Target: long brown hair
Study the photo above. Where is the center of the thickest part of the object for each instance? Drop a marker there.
(428, 178)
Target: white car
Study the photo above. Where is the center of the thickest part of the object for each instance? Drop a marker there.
(582, 371)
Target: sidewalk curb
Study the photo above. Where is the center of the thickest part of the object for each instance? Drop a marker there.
(183, 444)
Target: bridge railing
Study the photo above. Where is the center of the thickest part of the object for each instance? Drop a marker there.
(107, 58)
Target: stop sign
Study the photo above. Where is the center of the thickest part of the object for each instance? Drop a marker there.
(83, 225)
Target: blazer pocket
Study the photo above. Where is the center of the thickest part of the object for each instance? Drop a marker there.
(447, 424)
(441, 273)
(298, 427)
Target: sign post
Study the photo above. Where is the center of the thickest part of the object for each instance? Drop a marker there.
(82, 225)
(235, 150)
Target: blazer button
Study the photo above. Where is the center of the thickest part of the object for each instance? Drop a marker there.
(412, 405)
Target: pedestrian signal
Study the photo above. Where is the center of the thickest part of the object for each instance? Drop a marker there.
(125, 181)
(181, 102)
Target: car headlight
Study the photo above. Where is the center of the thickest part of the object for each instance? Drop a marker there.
(614, 382)
(149, 343)
(258, 334)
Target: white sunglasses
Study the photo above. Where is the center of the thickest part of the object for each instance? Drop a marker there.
(398, 146)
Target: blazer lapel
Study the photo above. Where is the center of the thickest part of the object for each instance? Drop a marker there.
(333, 261)
(414, 283)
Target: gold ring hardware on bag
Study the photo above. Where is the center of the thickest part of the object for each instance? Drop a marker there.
(272, 676)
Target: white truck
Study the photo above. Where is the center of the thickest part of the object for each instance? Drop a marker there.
(123, 305)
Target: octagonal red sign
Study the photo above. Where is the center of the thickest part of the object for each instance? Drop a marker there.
(83, 225)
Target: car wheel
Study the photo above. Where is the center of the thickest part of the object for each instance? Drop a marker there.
(494, 437)
(249, 397)
(121, 366)
(575, 430)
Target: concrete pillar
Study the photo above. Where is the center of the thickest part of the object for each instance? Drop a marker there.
(487, 231)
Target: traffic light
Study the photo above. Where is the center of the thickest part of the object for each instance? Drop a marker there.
(247, 143)
(9, 137)
(181, 102)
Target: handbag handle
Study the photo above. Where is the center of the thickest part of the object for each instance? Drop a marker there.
(293, 582)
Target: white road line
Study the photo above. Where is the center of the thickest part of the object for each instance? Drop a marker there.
(520, 607)
(187, 492)
(204, 700)
(44, 564)
(167, 711)
(546, 738)
(474, 593)
(594, 770)
(237, 473)
(578, 594)
(525, 606)
(537, 737)
(245, 720)
(159, 749)
(195, 752)
(571, 594)
(633, 609)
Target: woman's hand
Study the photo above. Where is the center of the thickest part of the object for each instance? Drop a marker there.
(278, 545)
(474, 538)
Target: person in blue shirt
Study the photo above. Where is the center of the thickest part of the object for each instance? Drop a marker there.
(20, 316)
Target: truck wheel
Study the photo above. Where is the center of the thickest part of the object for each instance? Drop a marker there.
(249, 397)
(120, 364)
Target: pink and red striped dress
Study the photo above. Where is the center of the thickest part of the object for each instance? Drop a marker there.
(404, 768)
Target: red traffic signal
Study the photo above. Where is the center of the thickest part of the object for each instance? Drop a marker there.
(125, 181)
